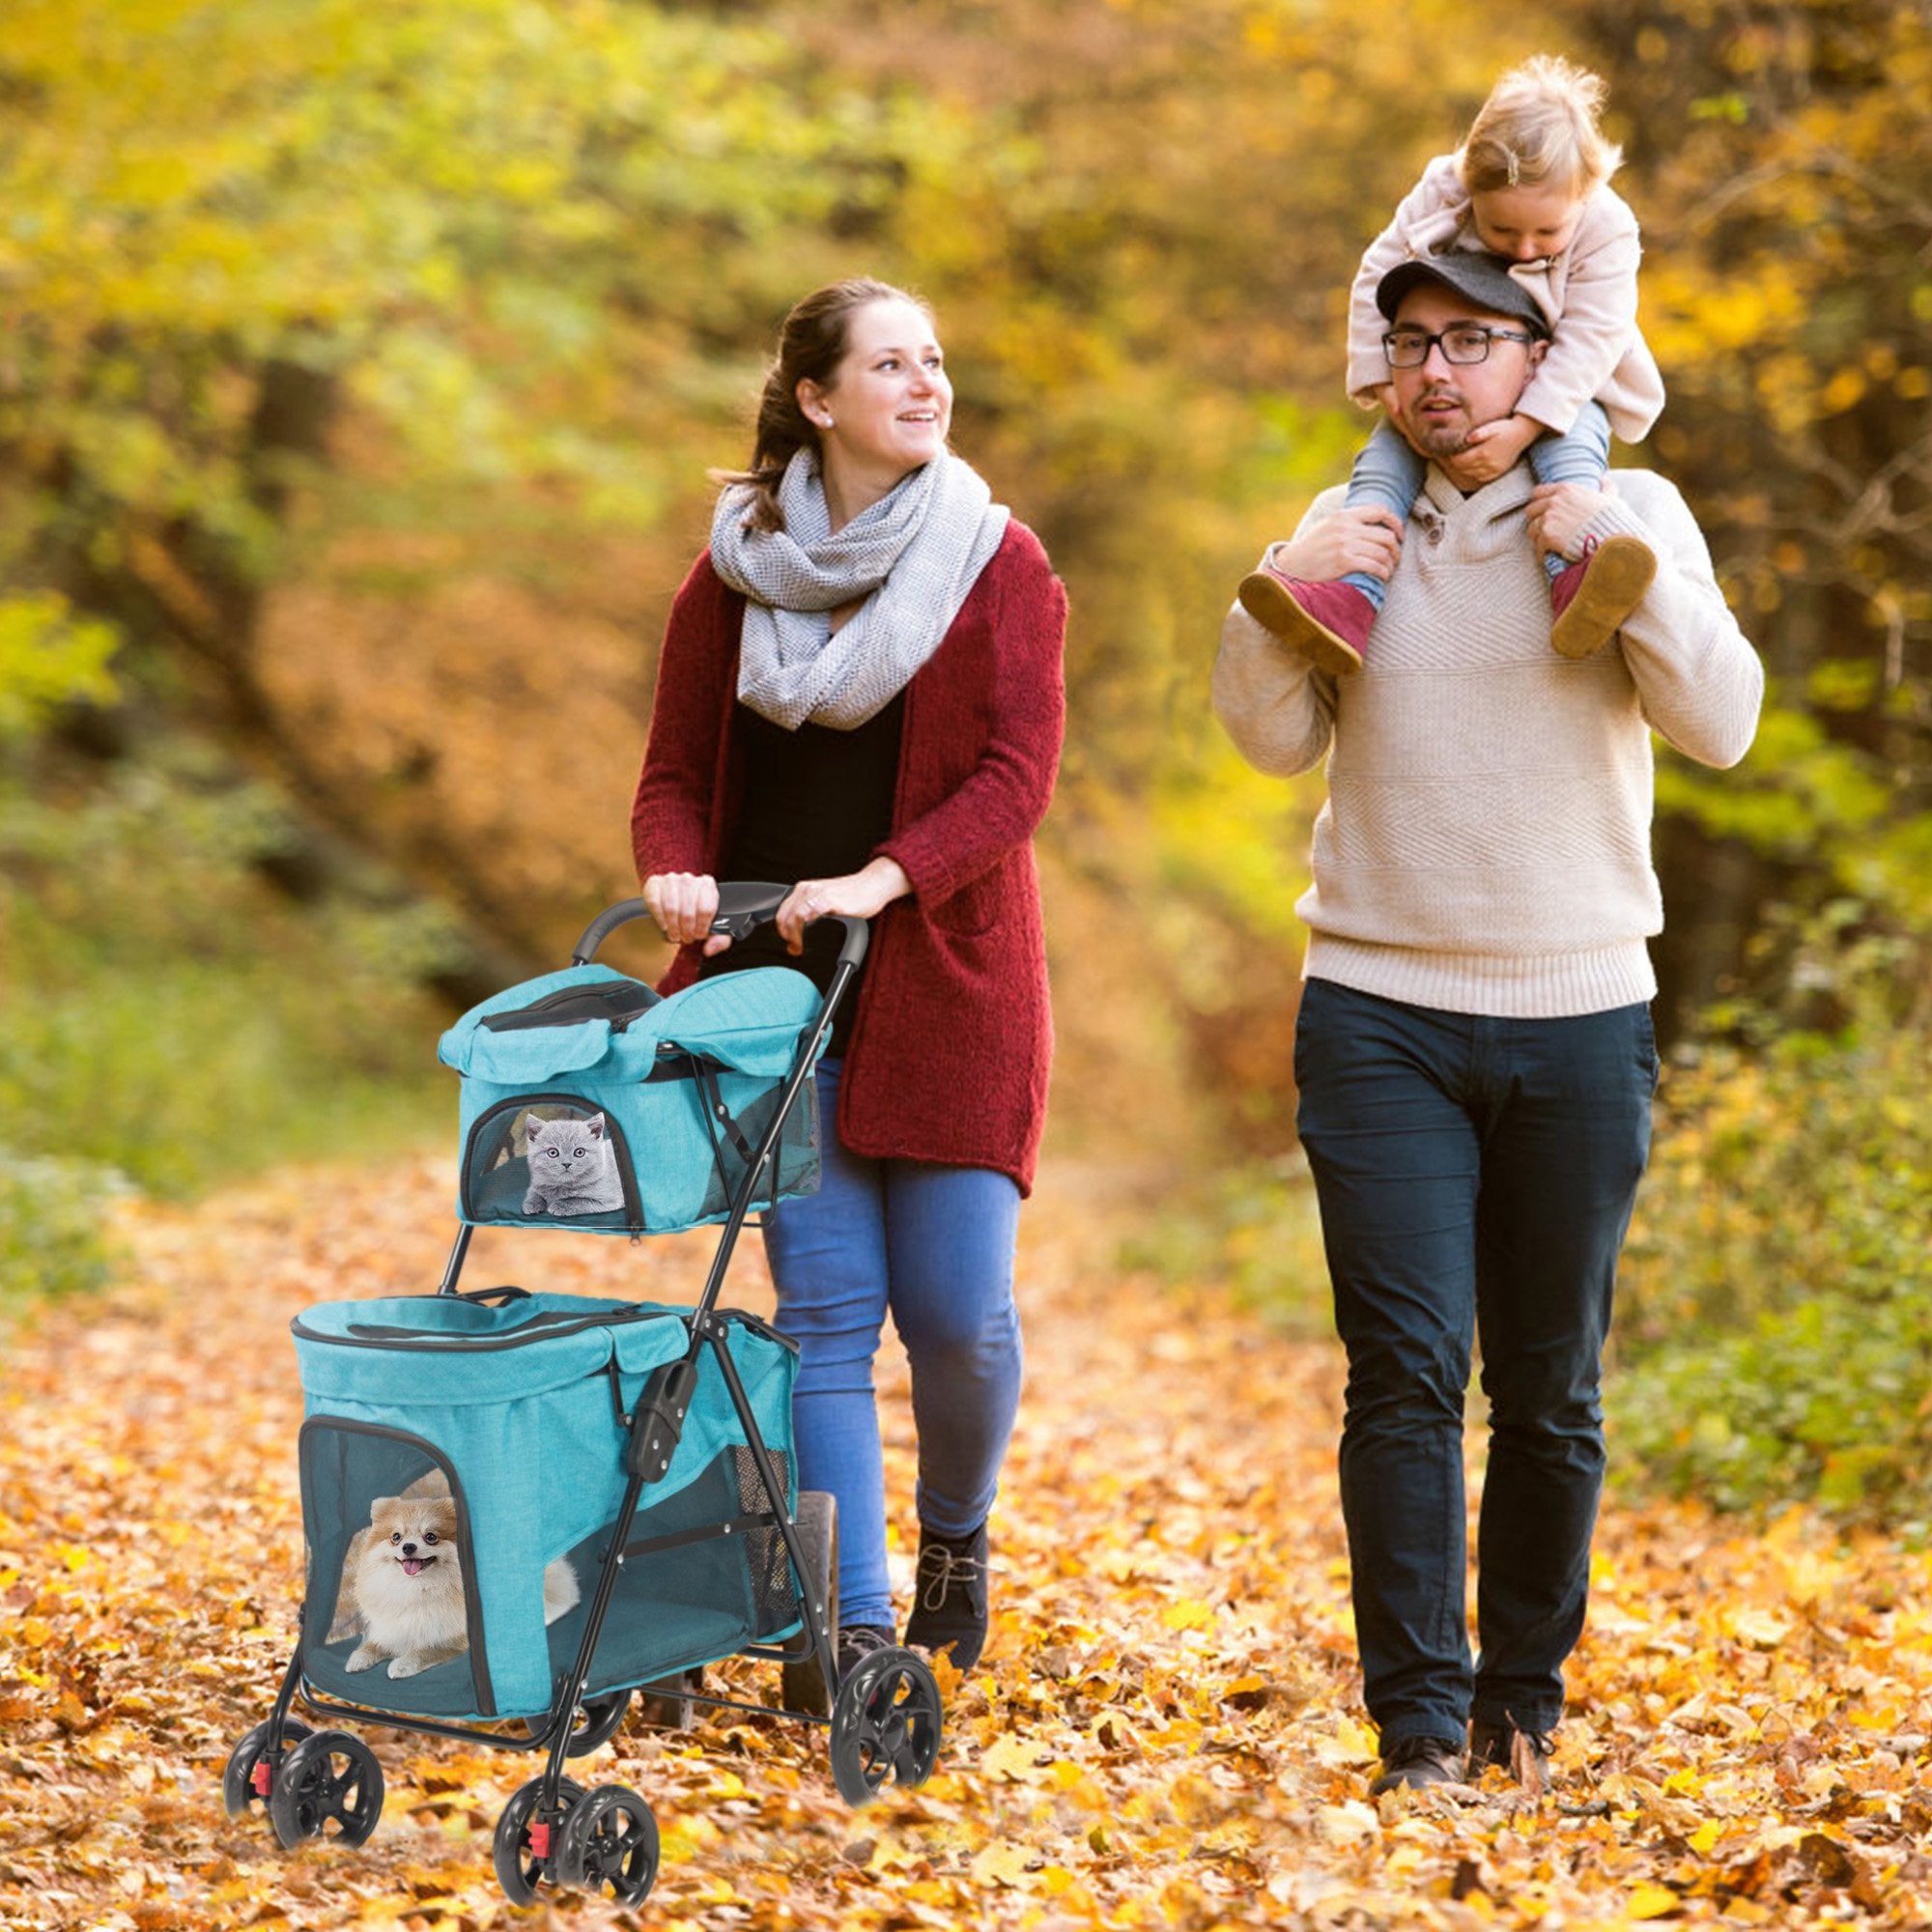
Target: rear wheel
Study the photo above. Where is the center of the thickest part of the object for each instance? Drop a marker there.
(667, 1701)
(802, 1686)
(884, 1726)
(598, 1720)
(594, 1721)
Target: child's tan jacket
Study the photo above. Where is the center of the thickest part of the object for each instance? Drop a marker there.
(1588, 293)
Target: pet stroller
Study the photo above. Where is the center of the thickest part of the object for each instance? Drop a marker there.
(522, 1507)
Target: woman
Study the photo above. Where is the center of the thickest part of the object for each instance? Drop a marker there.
(859, 695)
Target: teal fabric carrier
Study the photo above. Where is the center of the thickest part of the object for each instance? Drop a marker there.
(590, 1104)
(516, 1414)
(519, 1508)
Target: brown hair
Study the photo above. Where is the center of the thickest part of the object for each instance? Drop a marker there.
(1539, 129)
(811, 345)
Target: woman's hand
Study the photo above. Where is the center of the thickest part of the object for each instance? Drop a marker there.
(1368, 540)
(1558, 514)
(861, 894)
(684, 904)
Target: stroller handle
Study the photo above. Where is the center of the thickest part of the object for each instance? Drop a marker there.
(741, 907)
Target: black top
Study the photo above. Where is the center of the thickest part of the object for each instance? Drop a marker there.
(816, 803)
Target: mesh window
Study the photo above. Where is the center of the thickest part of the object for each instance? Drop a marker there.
(391, 1615)
(696, 1601)
(795, 1157)
(773, 1599)
(549, 1160)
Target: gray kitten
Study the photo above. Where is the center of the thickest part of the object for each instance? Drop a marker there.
(572, 1167)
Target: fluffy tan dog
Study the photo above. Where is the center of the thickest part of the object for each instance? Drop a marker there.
(402, 1583)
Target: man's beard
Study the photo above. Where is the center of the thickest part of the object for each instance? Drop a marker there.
(1448, 438)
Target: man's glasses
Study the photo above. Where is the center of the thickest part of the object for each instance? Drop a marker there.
(1462, 343)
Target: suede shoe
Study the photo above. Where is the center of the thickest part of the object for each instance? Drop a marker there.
(1595, 594)
(1524, 1754)
(949, 1596)
(1328, 623)
(1413, 1764)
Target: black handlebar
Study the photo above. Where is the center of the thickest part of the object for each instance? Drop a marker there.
(742, 907)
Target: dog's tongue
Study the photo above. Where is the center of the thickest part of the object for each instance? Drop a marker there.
(412, 1564)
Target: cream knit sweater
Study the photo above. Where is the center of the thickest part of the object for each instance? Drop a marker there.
(1485, 847)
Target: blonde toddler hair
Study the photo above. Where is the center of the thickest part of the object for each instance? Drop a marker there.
(1539, 129)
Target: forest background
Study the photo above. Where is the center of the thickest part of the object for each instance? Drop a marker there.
(360, 375)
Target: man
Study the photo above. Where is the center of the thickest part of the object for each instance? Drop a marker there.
(1473, 1051)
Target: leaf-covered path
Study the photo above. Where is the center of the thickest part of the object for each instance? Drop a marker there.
(1166, 1731)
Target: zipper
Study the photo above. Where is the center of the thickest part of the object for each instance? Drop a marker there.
(439, 1342)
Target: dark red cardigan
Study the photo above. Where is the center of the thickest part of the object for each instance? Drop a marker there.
(952, 1037)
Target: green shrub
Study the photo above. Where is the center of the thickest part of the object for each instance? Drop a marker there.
(1775, 1329)
(53, 1238)
(167, 1015)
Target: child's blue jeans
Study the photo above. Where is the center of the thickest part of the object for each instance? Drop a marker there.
(935, 1246)
(1388, 476)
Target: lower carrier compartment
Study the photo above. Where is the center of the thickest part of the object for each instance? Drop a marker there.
(462, 1468)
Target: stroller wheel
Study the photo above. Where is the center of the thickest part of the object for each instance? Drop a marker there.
(240, 1789)
(329, 1779)
(885, 1725)
(665, 1701)
(594, 1721)
(802, 1685)
(521, 1867)
(610, 1842)
(598, 1722)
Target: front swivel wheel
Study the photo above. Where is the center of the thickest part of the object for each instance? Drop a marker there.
(885, 1725)
(524, 1849)
(251, 1773)
(610, 1842)
(329, 1786)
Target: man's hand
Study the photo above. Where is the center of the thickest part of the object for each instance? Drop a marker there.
(1493, 449)
(1558, 514)
(1368, 540)
(861, 895)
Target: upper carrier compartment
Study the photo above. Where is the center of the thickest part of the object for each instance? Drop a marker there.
(588, 1102)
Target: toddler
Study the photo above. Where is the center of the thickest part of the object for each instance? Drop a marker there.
(1529, 183)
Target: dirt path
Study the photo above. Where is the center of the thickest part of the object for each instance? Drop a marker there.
(1166, 1731)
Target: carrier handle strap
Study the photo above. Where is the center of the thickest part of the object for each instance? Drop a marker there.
(742, 907)
(715, 1107)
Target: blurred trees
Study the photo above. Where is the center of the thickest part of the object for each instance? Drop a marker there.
(361, 368)
(1782, 159)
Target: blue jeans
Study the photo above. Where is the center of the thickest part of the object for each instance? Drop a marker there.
(935, 1246)
(1475, 1178)
(1389, 474)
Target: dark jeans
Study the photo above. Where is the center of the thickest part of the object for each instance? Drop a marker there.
(1475, 1178)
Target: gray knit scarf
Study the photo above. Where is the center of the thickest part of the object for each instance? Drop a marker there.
(912, 556)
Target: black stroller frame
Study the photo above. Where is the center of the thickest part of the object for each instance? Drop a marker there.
(884, 1715)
